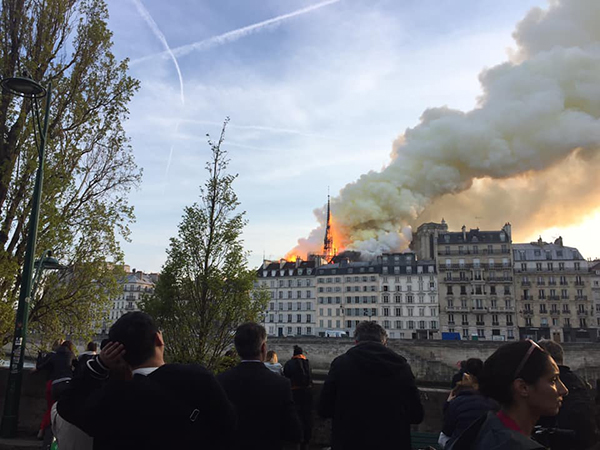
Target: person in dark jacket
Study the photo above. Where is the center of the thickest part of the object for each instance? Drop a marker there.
(525, 381)
(577, 412)
(466, 404)
(59, 365)
(298, 371)
(90, 351)
(128, 398)
(43, 366)
(263, 399)
(371, 395)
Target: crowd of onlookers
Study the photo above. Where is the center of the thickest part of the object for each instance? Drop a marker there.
(127, 397)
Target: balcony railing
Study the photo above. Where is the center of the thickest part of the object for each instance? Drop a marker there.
(581, 298)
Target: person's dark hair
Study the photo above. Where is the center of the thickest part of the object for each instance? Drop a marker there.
(104, 343)
(463, 364)
(554, 349)
(69, 345)
(298, 350)
(137, 332)
(92, 347)
(248, 339)
(498, 374)
(369, 331)
(474, 366)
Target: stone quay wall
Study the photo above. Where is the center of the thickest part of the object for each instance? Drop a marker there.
(432, 362)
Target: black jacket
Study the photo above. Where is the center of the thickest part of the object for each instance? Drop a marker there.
(489, 433)
(468, 406)
(58, 364)
(578, 413)
(297, 370)
(176, 406)
(371, 395)
(264, 405)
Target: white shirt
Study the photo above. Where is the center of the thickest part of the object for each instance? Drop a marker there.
(144, 371)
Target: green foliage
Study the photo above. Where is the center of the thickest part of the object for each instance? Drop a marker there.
(205, 289)
(89, 164)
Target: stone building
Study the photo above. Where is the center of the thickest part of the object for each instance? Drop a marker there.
(595, 284)
(475, 274)
(135, 284)
(555, 295)
(394, 290)
(291, 310)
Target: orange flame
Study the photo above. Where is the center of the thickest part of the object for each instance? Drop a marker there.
(315, 246)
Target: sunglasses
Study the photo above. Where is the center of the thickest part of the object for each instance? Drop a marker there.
(530, 351)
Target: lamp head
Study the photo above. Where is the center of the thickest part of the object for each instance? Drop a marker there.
(23, 87)
(49, 263)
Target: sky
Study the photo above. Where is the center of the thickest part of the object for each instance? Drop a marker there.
(317, 92)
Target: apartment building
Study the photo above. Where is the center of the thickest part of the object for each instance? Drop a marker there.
(475, 276)
(555, 292)
(135, 285)
(595, 284)
(394, 290)
(291, 310)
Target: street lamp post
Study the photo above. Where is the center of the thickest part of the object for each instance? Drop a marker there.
(27, 88)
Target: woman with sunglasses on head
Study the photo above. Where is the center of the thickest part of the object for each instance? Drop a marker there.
(525, 381)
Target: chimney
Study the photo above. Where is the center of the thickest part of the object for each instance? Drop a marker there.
(559, 241)
(282, 263)
(298, 261)
(464, 231)
(508, 230)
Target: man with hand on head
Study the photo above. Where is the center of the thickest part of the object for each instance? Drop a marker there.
(128, 398)
(263, 399)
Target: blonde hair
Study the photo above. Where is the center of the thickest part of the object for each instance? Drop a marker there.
(271, 357)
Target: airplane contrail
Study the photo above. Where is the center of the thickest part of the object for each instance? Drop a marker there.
(233, 35)
(262, 128)
(161, 37)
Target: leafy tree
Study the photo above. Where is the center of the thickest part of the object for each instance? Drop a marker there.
(205, 289)
(89, 163)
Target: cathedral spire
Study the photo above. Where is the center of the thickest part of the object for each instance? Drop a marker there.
(328, 248)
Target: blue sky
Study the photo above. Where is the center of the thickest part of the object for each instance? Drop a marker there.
(315, 100)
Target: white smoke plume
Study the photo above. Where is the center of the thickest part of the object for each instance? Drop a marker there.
(537, 111)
